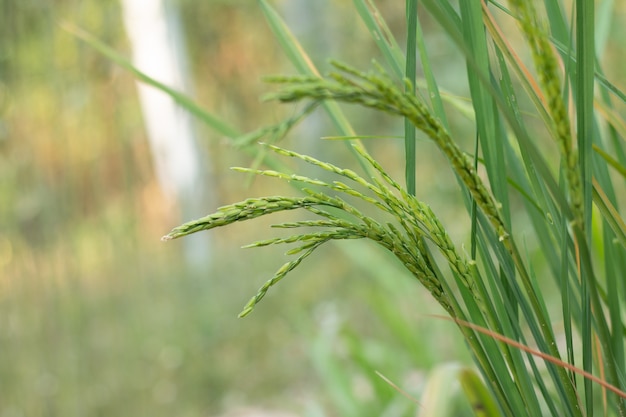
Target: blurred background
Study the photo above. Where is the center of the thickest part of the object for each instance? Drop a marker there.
(98, 317)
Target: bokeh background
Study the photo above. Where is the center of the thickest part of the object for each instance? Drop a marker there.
(98, 317)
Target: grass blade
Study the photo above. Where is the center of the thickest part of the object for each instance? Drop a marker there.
(381, 35)
(410, 74)
(609, 213)
(184, 101)
(305, 66)
(542, 355)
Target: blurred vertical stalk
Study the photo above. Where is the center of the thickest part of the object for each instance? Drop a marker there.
(158, 49)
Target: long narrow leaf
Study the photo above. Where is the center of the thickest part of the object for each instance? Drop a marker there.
(382, 36)
(304, 65)
(411, 65)
(184, 101)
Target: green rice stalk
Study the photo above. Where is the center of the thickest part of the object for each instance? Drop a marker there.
(416, 219)
(376, 90)
(547, 68)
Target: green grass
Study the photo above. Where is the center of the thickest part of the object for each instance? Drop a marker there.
(498, 288)
(540, 188)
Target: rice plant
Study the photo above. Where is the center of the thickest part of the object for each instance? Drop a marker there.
(567, 174)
